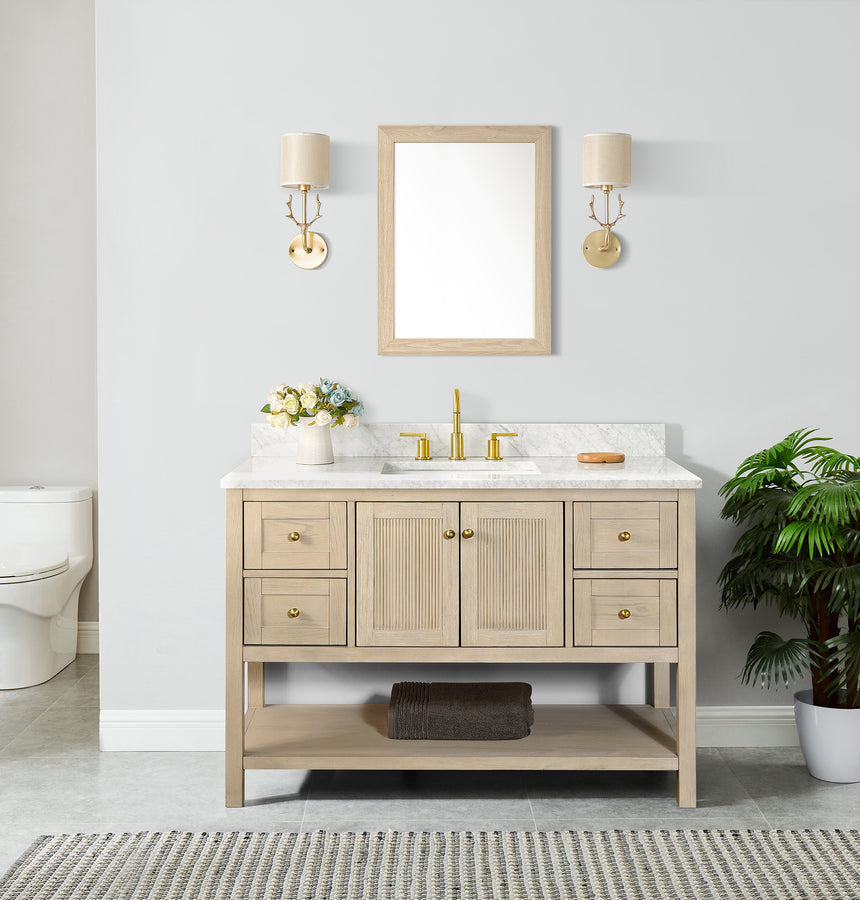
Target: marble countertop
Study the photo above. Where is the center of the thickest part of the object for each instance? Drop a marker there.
(553, 472)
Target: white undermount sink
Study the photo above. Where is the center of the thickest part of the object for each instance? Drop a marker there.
(459, 468)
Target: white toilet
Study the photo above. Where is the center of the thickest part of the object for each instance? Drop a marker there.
(46, 551)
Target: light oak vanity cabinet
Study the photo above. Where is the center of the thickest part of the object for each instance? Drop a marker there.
(460, 574)
(435, 575)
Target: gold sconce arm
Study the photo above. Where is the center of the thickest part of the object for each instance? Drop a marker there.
(605, 252)
(304, 224)
(607, 226)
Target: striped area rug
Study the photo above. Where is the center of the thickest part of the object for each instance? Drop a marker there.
(652, 865)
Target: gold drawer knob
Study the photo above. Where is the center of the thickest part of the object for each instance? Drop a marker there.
(624, 614)
(294, 613)
(294, 535)
(450, 534)
(624, 536)
(467, 533)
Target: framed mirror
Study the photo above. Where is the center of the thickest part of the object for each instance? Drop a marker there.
(464, 240)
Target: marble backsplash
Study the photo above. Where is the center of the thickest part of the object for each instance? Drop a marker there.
(383, 439)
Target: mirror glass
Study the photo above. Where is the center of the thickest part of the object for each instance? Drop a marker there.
(464, 233)
(464, 240)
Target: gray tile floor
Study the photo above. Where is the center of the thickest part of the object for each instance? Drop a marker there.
(54, 779)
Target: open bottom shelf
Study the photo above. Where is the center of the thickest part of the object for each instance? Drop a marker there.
(562, 737)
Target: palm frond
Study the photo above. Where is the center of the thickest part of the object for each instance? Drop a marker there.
(827, 461)
(818, 536)
(777, 582)
(774, 662)
(849, 540)
(782, 454)
(840, 581)
(842, 669)
(830, 502)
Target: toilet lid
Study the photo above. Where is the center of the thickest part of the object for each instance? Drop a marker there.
(29, 562)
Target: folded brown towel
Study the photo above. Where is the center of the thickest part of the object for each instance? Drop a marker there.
(446, 711)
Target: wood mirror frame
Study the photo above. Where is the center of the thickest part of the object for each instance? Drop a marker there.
(539, 342)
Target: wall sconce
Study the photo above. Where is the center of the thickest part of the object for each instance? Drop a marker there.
(605, 165)
(304, 167)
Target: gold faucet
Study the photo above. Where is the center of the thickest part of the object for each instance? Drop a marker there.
(456, 434)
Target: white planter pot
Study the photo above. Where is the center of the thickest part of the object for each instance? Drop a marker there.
(314, 444)
(829, 739)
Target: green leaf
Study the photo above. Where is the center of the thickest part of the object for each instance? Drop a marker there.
(828, 502)
(266, 409)
(843, 666)
(818, 537)
(774, 662)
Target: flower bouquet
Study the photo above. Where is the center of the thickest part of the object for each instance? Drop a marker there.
(325, 404)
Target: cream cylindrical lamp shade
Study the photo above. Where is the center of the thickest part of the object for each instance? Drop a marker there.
(606, 160)
(304, 160)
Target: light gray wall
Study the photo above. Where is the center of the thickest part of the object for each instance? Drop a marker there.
(48, 249)
(732, 315)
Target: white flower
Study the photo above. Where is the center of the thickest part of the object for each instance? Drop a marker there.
(323, 417)
(350, 420)
(280, 388)
(278, 421)
(276, 403)
(291, 404)
(307, 388)
(309, 399)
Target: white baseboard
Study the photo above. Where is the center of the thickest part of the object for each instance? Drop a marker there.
(745, 726)
(203, 729)
(88, 637)
(161, 729)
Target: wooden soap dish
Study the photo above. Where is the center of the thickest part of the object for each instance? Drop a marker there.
(600, 457)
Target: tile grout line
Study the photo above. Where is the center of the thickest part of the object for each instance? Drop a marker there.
(531, 807)
(728, 765)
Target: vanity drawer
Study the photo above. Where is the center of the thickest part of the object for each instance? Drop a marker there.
(295, 611)
(631, 535)
(295, 535)
(625, 612)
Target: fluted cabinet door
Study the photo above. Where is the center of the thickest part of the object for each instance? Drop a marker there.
(512, 574)
(407, 587)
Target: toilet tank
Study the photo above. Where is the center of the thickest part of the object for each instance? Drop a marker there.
(54, 516)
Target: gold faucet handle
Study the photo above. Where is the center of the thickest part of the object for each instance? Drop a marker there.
(493, 446)
(423, 450)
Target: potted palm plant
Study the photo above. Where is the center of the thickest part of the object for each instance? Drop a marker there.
(799, 503)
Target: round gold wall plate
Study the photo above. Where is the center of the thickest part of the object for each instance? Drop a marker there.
(595, 255)
(318, 251)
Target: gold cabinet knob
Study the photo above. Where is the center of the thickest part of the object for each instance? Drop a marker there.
(624, 614)
(294, 535)
(624, 536)
(449, 534)
(294, 613)
(467, 533)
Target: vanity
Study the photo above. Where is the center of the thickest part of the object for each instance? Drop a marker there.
(526, 559)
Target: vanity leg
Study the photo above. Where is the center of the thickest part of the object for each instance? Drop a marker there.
(256, 684)
(234, 726)
(685, 683)
(661, 681)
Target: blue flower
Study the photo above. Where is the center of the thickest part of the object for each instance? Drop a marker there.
(358, 409)
(337, 397)
(347, 393)
(326, 385)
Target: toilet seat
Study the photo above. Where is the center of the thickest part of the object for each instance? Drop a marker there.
(31, 563)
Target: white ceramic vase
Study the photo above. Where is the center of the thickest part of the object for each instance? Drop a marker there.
(829, 739)
(314, 444)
